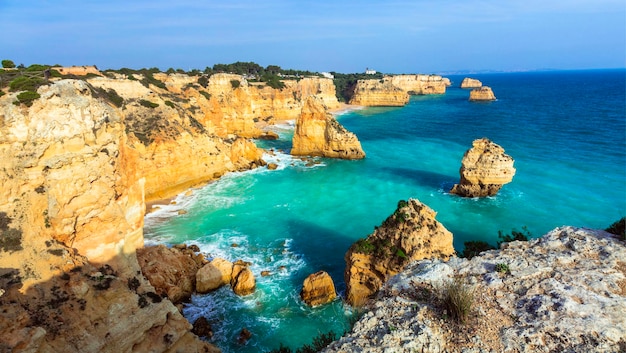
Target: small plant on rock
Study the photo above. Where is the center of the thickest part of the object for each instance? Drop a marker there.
(618, 228)
(148, 104)
(515, 235)
(457, 298)
(502, 268)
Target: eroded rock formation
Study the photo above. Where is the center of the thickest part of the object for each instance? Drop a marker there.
(217, 273)
(318, 289)
(471, 83)
(483, 93)
(563, 292)
(378, 93)
(420, 84)
(484, 169)
(318, 133)
(410, 233)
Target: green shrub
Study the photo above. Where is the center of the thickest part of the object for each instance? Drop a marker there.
(148, 104)
(458, 299)
(2, 93)
(170, 104)
(473, 248)
(148, 80)
(320, 342)
(203, 81)
(206, 95)
(114, 98)
(235, 83)
(502, 268)
(8, 64)
(363, 246)
(618, 228)
(26, 98)
(25, 83)
(515, 235)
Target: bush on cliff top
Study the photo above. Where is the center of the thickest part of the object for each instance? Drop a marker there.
(618, 228)
(458, 299)
(26, 98)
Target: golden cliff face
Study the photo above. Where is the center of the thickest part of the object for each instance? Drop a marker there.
(378, 93)
(420, 84)
(71, 218)
(318, 133)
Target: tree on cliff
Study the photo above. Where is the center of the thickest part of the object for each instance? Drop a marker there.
(8, 64)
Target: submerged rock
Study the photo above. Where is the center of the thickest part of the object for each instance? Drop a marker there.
(318, 289)
(484, 169)
(410, 233)
(318, 133)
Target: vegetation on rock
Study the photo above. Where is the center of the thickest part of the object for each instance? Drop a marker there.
(26, 98)
(457, 298)
(618, 228)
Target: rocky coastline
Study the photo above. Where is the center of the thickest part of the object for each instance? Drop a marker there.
(83, 161)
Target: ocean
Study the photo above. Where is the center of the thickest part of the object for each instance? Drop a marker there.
(566, 131)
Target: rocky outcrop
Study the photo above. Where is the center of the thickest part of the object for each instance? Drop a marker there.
(171, 271)
(484, 169)
(318, 133)
(318, 289)
(213, 275)
(410, 233)
(242, 281)
(420, 84)
(482, 94)
(71, 211)
(564, 292)
(378, 93)
(471, 83)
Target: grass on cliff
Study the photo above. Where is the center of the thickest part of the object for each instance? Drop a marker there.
(457, 299)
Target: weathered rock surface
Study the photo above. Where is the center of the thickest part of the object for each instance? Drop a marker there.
(242, 281)
(484, 169)
(420, 84)
(217, 273)
(318, 133)
(471, 83)
(410, 233)
(171, 271)
(483, 93)
(564, 292)
(318, 289)
(378, 93)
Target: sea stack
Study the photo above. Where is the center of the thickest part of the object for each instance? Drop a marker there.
(482, 94)
(318, 289)
(471, 83)
(411, 233)
(318, 133)
(484, 169)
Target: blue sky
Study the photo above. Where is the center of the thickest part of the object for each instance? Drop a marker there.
(395, 36)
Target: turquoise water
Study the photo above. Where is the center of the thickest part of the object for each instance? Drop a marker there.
(565, 130)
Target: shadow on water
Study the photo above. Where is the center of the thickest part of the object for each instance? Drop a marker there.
(426, 178)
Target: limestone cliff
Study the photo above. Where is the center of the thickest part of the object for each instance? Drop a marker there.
(71, 217)
(420, 84)
(318, 133)
(564, 292)
(483, 93)
(484, 169)
(378, 93)
(471, 83)
(410, 233)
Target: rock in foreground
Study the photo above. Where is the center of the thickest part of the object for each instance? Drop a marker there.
(564, 292)
(318, 289)
(410, 233)
(319, 134)
(484, 169)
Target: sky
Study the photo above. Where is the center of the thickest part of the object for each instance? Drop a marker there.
(394, 36)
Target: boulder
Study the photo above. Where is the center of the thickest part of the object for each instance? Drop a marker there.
(484, 169)
(411, 233)
(318, 289)
(471, 83)
(483, 94)
(318, 133)
(214, 275)
(243, 281)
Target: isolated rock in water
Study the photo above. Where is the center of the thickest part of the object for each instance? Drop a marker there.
(318, 289)
(563, 292)
(410, 233)
(471, 83)
(243, 281)
(484, 169)
(214, 275)
(483, 93)
(318, 133)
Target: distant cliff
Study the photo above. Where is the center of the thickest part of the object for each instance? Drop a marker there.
(420, 84)
(395, 90)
